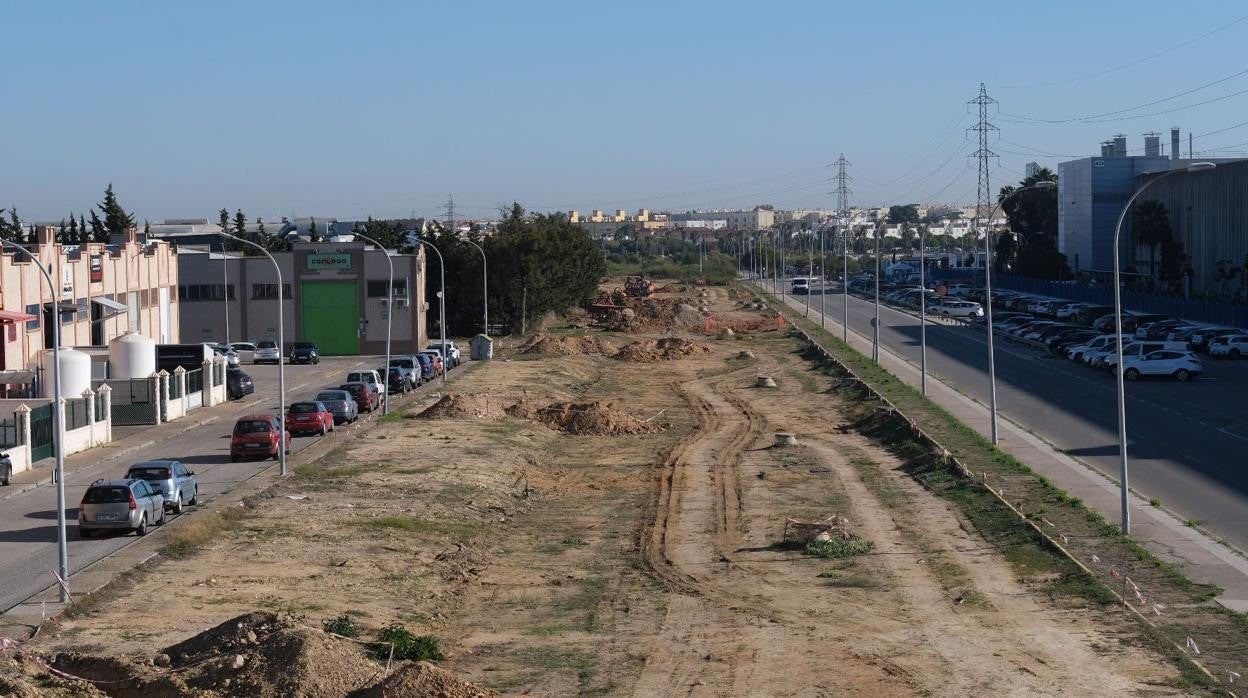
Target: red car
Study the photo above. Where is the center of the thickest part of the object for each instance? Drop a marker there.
(436, 358)
(365, 395)
(257, 435)
(309, 418)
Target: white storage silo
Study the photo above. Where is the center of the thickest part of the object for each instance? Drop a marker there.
(75, 373)
(131, 355)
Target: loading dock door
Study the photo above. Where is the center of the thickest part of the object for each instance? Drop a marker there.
(330, 316)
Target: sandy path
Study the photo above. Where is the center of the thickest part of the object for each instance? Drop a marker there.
(747, 619)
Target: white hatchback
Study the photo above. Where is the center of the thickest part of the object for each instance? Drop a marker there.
(1233, 347)
(267, 352)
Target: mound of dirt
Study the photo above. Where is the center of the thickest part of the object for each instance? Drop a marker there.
(424, 680)
(568, 345)
(22, 678)
(688, 316)
(458, 406)
(655, 350)
(584, 418)
(234, 633)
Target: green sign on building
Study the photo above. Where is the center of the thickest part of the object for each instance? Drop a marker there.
(337, 260)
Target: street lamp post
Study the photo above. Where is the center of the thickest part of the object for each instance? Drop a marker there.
(1123, 485)
(385, 404)
(58, 426)
(992, 358)
(923, 310)
(446, 359)
(281, 347)
(485, 289)
(875, 324)
(823, 278)
(845, 282)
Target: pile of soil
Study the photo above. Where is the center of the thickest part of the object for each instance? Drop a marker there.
(255, 654)
(584, 418)
(567, 345)
(655, 350)
(459, 406)
(22, 678)
(424, 679)
(688, 316)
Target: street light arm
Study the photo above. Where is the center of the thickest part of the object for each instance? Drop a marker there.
(58, 424)
(446, 359)
(485, 287)
(281, 346)
(385, 405)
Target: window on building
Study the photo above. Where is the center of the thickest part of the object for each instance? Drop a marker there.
(37, 312)
(268, 292)
(377, 289)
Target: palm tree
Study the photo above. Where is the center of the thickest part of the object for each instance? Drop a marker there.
(1150, 223)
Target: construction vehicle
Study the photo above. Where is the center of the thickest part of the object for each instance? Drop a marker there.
(638, 286)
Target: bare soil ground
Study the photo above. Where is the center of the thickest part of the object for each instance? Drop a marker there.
(550, 561)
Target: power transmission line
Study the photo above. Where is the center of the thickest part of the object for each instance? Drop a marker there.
(1132, 64)
(1103, 117)
(842, 185)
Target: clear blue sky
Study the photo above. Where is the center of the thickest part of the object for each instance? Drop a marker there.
(384, 108)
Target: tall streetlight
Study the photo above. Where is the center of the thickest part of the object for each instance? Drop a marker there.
(923, 309)
(485, 289)
(992, 359)
(385, 403)
(58, 425)
(1123, 485)
(875, 324)
(810, 269)
(823, 280)
(845, 280)
(281, 346)
(446, 359)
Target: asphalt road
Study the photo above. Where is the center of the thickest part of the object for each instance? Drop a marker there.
(28, 550)
(1188, 443)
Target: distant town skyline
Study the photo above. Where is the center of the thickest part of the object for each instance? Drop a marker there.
(314, 109)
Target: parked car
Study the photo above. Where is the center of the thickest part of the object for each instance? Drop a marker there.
(800, 287)
(1060, 343)
(6, 469)
(1089, 313)
(238, 383)
(1233, 346)
(364, 394)
(309, 417)
(258, 435)
(176, 484)
(231, 356)
(450, 350)
(411, 367)
(128, 505)
(1068, 311)
(246, 351)
(427, 372)
(1137, 348)
(962, 309)
(340, 404)
(367, 376)
(959, 290)
(1080, 352)
(397, 380)
(1202, 340)
(305, 353)
(1179, 365)
(267, 352)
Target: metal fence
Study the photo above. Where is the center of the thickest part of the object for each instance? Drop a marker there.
(99, 406)
(128, 391)
(195, 381)
(135, 413)
(1197, 310)
(76, 415)
(175, 387)
(9, 435)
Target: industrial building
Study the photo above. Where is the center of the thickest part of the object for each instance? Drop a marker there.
(333, 294)
(102, 290)
(1093, 190)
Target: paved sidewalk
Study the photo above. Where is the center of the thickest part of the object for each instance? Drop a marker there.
(1201, 558)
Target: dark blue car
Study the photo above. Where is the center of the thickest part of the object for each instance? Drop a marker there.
(305, 353)
(426, 367)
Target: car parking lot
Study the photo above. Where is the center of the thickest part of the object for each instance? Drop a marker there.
(1186, 439)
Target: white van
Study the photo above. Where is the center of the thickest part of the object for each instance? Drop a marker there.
(369, 376)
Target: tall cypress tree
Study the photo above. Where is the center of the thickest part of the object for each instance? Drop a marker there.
(240, 223)
(99, 233)
(116, 219)
(82, 229)
(72, 233)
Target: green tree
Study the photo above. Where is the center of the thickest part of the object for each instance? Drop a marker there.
(83, 236)
(1150, 226)
(240, 223)
(313, 233)
(907, 214)
(1033, 214)
(99, 233)
(116, 219)
(147, 229)
(260, 228)
(6, 232)
(71, 233)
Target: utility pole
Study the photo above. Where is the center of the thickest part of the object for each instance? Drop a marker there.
(450, 214)
(842, 214)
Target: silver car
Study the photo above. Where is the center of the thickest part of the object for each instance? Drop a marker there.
(267, 352)
(127, 505)
(171, 478)
(340, 404)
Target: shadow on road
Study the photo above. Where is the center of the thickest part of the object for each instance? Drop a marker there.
(71, 514)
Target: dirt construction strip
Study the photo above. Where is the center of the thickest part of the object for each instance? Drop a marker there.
(930, 610)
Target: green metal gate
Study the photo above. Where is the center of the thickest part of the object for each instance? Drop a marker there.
(330, 316)
(41, 433)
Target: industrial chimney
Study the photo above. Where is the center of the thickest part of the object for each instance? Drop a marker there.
(1174, 143)
(1107, 149)
(1120, 145)
(1152, 144)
